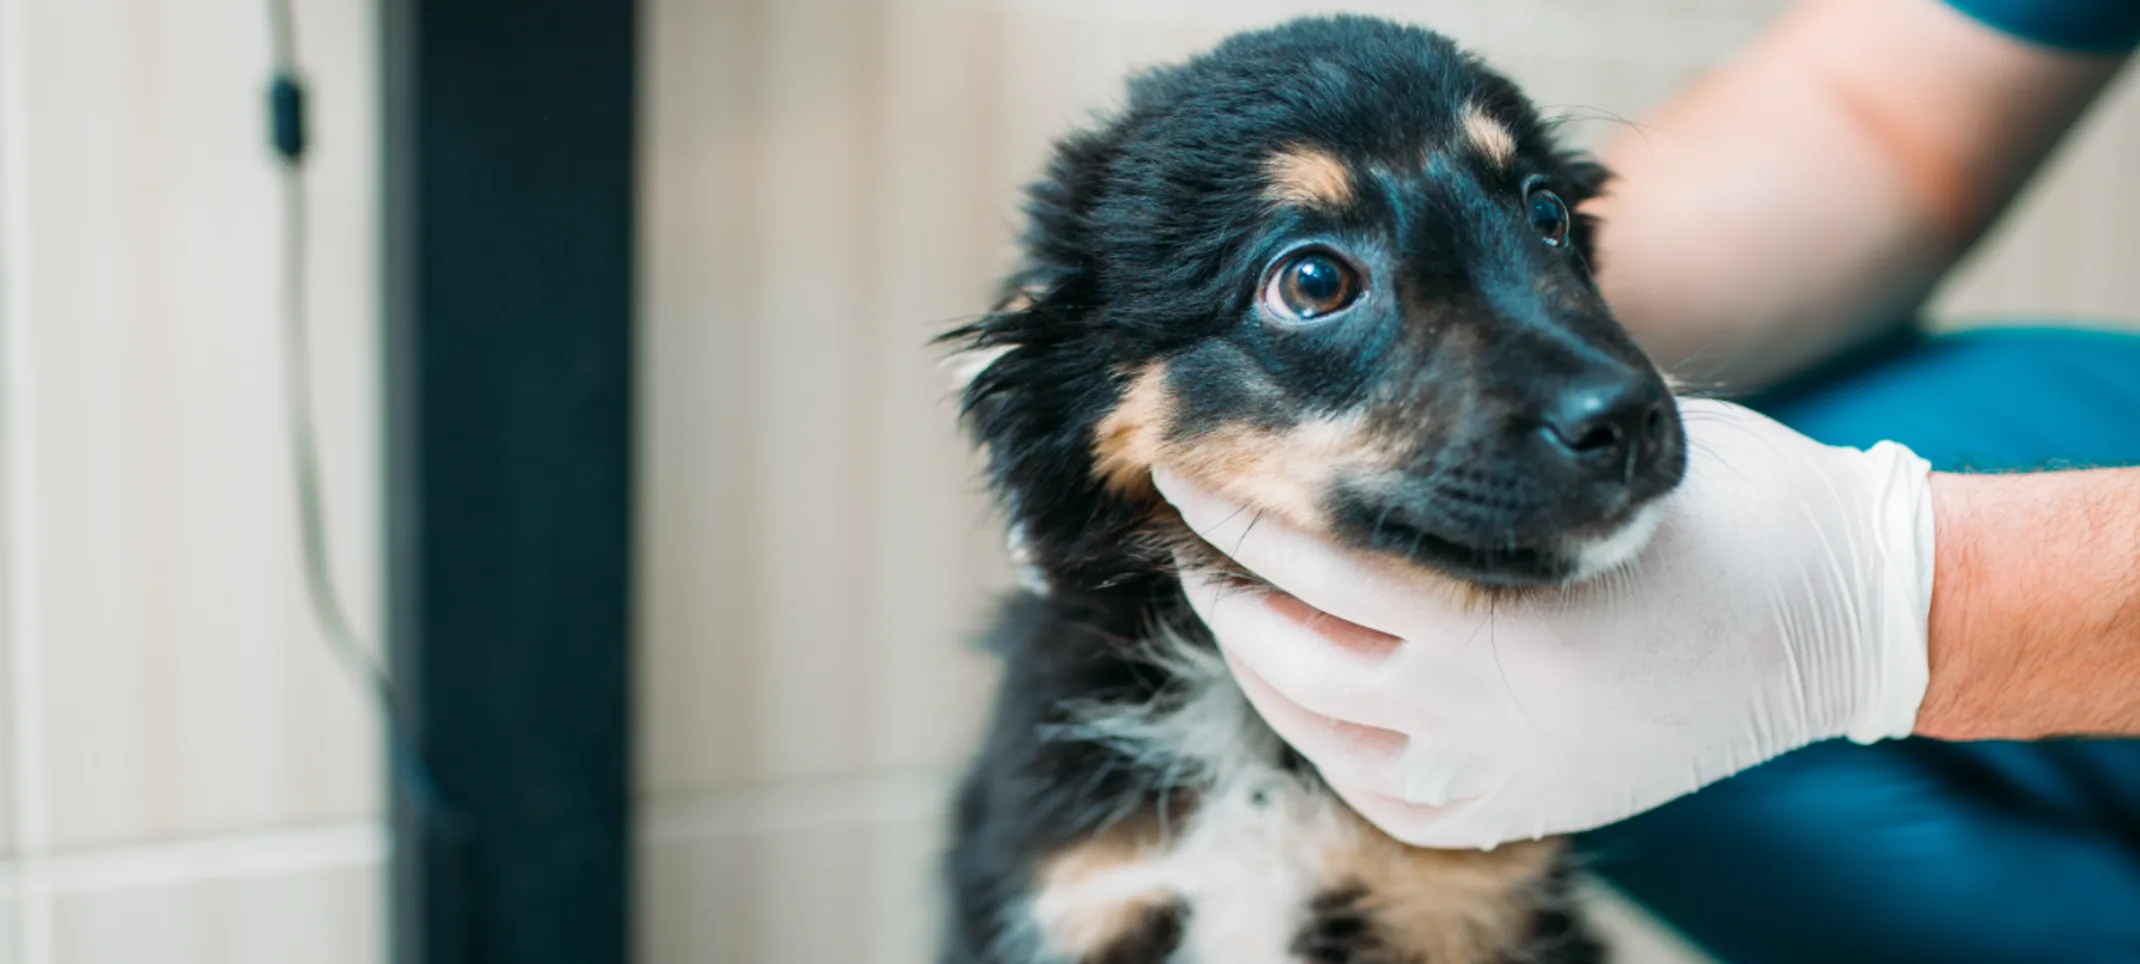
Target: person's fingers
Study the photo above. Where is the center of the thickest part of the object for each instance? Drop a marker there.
(1409, 823)
(1441, 771)
(1360, 587)
(1469, 823)
(1326, 666)
(1357, 754)
(1365, 646)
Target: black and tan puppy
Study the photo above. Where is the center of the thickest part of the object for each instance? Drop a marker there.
(1331, 270)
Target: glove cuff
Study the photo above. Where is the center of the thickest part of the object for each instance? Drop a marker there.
(1892, 686)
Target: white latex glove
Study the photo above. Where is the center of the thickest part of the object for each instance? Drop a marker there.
(1782, 601)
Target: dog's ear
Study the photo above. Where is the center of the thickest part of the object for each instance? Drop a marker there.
(977, 346)
(1040, 309)
(1580, 179)
(1039, 371)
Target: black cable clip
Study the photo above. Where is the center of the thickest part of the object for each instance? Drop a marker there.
(286, 117)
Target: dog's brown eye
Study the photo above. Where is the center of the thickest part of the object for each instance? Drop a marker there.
(1310, 285)
(1550, 216)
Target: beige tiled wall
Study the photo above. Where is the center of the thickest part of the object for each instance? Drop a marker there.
(826, 184)
(185, 776)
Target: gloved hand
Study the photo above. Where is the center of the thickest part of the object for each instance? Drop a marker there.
(1782, 601)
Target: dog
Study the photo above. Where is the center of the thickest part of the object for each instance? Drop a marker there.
(1335, 270)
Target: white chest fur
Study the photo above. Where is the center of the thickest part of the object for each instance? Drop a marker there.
(1258, 846)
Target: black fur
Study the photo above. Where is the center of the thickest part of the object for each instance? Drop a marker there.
(1148, 238)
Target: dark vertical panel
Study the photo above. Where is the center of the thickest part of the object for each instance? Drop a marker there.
(510, 139)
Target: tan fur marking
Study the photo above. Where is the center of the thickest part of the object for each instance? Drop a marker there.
(1126, 443)
(1455, 905)
(1287, 471)
(1020, 300)
(1488, 137)
(1307, 177)
(1089, 895)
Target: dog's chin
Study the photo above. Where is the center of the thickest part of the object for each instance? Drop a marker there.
(1575, 555)
(1597, 555)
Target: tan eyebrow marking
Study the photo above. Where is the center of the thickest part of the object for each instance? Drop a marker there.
(1488, 136)
(1309, 177)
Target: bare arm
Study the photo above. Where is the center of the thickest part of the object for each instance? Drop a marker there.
(2035, 626)
(1818, 187)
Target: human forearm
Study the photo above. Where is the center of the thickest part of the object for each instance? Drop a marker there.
(1819, 186)
(2035, 623)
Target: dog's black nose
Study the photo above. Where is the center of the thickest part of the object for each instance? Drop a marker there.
(1613, 429)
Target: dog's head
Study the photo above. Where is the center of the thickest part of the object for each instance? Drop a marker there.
(1335, 271)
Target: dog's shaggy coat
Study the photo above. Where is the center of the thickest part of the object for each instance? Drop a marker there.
(1330, 269)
